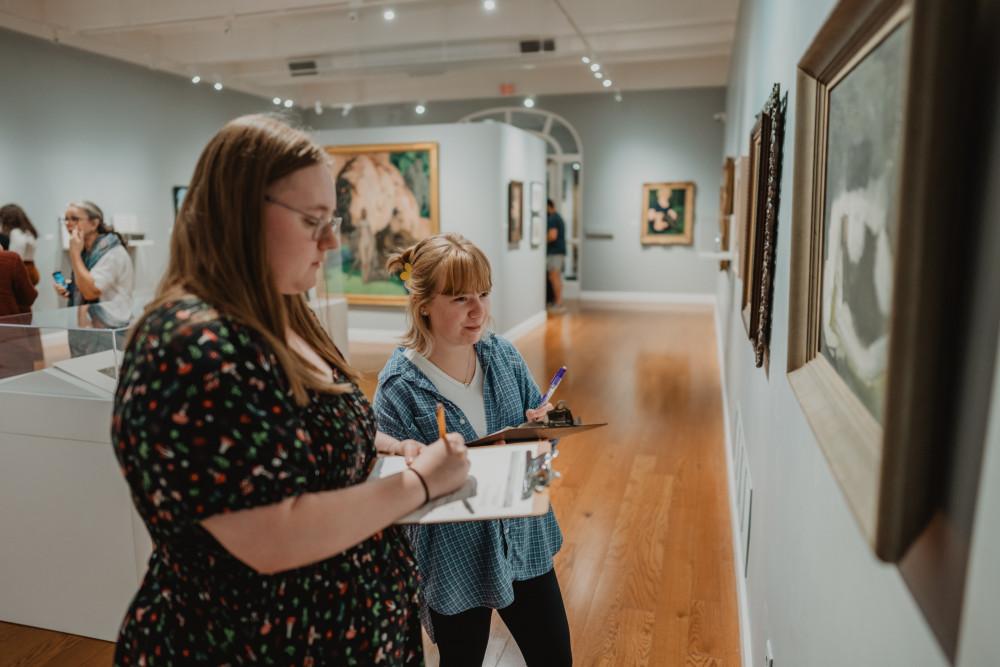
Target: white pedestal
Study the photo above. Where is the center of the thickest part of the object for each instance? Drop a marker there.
(73, 549)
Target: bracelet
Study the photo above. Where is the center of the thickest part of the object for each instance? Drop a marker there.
(427, 491)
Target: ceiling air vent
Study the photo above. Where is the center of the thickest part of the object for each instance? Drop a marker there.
(537, 45)
(302, 67)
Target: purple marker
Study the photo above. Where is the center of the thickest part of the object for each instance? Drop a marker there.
(556, 379)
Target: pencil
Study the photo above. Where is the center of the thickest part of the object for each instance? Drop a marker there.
(441, 426)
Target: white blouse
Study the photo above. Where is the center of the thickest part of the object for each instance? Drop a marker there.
(23, 244)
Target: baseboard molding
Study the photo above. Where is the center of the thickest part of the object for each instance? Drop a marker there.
(530, 324)
(644, 300)
(389, 336)
(743, 601)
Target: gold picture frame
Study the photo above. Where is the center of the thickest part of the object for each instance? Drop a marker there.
(387, 196)
(667, 214)
(868, 340)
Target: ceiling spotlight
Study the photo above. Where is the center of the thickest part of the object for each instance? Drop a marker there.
(195, 79)
(217, 86)
(595, 67)
(598, 76)
(607, 83)
(289, 104)
(618, 97)
(276, 100)
(318, 108)
(420, 109)
(576, 166)
(489, 5)
(529, 102)
(389, 14)
(585, 60)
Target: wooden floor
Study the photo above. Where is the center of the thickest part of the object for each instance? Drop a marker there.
(646, 568)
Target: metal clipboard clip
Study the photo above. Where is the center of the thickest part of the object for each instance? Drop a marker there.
(538, 472)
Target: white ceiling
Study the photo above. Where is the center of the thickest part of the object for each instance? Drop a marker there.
(432, 50)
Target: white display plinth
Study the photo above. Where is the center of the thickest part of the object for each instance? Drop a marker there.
(73, 550)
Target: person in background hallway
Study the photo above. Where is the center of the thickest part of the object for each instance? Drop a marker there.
(448, 356)
(18, 347)
(555, 255)
(247, 444)
(23, 236)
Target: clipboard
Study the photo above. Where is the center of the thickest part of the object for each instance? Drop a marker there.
(505, 482)
(529, 432)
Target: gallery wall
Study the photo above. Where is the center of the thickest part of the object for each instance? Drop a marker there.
(80, 126)
(476, 162)
(650, 136)
(815, 591)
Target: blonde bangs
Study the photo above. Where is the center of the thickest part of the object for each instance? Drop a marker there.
(463, 273)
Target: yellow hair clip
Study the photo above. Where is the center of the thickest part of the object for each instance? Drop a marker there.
(406, 273)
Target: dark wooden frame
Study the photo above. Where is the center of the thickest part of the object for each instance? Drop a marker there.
(760, 233)
(885, 470)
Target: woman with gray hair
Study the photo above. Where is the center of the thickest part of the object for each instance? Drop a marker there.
(102, 268)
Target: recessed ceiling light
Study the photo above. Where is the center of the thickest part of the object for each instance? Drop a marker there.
(595, 67)
(598, 76)
(585, 60)
(576, 166)
(489, 5)
(529, 102)
(217, 86)
(289, 104)
(420, 109)
(607, 83)
(195, 79)
(276, 100)
(389, 14)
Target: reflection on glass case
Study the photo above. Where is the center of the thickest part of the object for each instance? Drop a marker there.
(83, 341)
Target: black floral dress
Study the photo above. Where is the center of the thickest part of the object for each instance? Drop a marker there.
(204, 423)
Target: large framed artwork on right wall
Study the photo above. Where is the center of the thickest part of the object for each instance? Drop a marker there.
(871, 285)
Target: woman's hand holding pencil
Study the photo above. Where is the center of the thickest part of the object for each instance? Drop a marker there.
(444, 464)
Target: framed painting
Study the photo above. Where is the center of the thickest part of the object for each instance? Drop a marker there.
(871, 284)
(387, 196)
(738, 218)
(515, 214)
(726, 208)
(538, 216)
(667, 213)
(766, 141)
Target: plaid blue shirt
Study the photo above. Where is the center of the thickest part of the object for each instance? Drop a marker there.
(468, 564)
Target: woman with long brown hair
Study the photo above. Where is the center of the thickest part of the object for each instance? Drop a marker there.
(246, 442)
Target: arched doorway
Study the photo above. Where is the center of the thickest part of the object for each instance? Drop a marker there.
(564, 182)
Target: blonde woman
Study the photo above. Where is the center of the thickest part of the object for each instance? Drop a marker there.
(449, 356)
(246, 442)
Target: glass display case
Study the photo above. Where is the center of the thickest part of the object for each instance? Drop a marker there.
(83, 342)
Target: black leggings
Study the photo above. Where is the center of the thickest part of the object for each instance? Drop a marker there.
(536, 619)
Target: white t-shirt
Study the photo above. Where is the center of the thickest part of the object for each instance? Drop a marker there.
(468, 399)
(113, 276)
(23, 244)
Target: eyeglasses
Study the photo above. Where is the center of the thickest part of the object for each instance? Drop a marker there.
(71, 218)
(320, 227)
